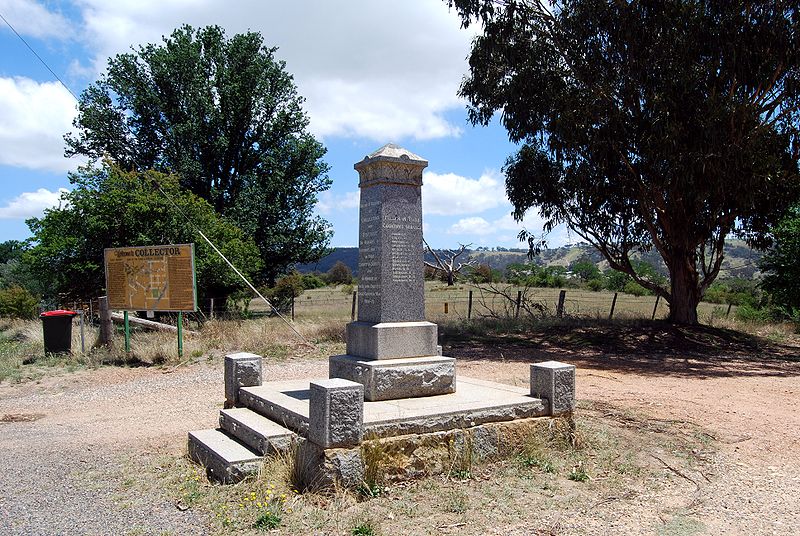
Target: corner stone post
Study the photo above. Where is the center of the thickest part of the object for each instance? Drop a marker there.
(555, 382)
(241, 370)
(336, 413)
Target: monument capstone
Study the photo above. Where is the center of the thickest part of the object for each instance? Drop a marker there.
(391, 348)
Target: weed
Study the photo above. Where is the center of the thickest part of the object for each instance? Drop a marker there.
(456, 502)
(578, 473)
(461, 456)
(373, 452)
(267, 521)
(365, 527)
(539, 461)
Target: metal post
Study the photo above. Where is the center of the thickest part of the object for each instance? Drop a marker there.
(180, 334)
(519, 302)
(80, 320)
(353, 307)
(91, 313)
(560, 309)
(292, 307)
(469, 306)
(106, 324)
(613, 304)
(658, 297)
(728, 312)
(127, 332)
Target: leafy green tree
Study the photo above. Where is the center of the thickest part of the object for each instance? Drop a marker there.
(665, 125)
(111, 208)
(16, 302)
(225, 116)
(585, 269)
(781, 267)
(339, 274)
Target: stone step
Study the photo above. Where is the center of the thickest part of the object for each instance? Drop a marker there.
(289, 408)
(225, 459)
(256, 431)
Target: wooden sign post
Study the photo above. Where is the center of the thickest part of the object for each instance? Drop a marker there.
(152, 278)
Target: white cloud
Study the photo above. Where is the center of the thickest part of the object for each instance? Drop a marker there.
(33, 19)
(330, 202)
(475, 226)
(33, 118)
(31, 204)
(372, 68)
(450, 194)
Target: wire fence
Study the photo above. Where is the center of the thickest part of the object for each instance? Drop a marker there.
(442, 303)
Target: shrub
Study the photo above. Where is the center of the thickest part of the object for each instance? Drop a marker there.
(285, 289)
(632, 287)
(340, 274)
(16, 302)
(310, 281)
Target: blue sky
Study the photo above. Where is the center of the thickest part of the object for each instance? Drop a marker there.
(372, 72)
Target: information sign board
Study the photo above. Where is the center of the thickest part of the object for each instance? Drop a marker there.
(151, 278)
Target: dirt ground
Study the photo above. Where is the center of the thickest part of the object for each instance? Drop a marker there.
(63, 436)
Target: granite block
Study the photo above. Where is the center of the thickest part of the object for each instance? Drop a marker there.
(241, 370)
(391, 379)
(336, 413)
(555, 382)
(391, 340)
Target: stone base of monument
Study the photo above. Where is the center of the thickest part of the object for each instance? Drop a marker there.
(325, 422)
(387, 379)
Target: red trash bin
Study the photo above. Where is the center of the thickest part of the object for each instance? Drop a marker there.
(57, 328)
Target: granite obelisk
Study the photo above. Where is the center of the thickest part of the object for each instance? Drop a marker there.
(391, 348)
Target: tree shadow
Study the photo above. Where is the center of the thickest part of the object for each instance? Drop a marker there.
(639, 347)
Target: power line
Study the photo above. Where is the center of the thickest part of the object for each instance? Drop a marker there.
(160, 189)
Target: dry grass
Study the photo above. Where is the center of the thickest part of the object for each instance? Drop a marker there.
(535, 491)
(22, 356)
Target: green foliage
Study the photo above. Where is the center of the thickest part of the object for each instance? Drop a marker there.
(642, 133)
(616, 280)
(635, 289)
(585, 269)
(16, 302)
(481, 273)
(224, 115)
(268, 521)
(781, 267)
(340, 274)
(111, 208)
(533, 275)
(311, 281)
(285, 290)
(736, 291)
(365, 528)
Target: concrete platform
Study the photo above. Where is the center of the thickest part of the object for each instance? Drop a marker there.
(475, 402)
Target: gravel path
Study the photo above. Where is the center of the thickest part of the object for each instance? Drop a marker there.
(56, 472)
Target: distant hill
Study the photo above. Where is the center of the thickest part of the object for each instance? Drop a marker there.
(740, 260)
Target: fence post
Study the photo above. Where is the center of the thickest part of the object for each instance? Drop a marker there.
(83, 343)
(658, 297)
(445, 307)
(613, 304)
(560, 309)
(292, 307)
(211, 309)
(728, 312)
(106, 325)
(353, 307)
(469, 306)
(519, 302)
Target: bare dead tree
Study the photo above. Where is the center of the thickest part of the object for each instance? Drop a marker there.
(500, 301)
(448, 263)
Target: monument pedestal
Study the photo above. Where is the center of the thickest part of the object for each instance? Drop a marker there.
(391, 379)
(391, 340)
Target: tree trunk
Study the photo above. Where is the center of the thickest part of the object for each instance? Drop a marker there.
(451, 279)
(685, 293)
